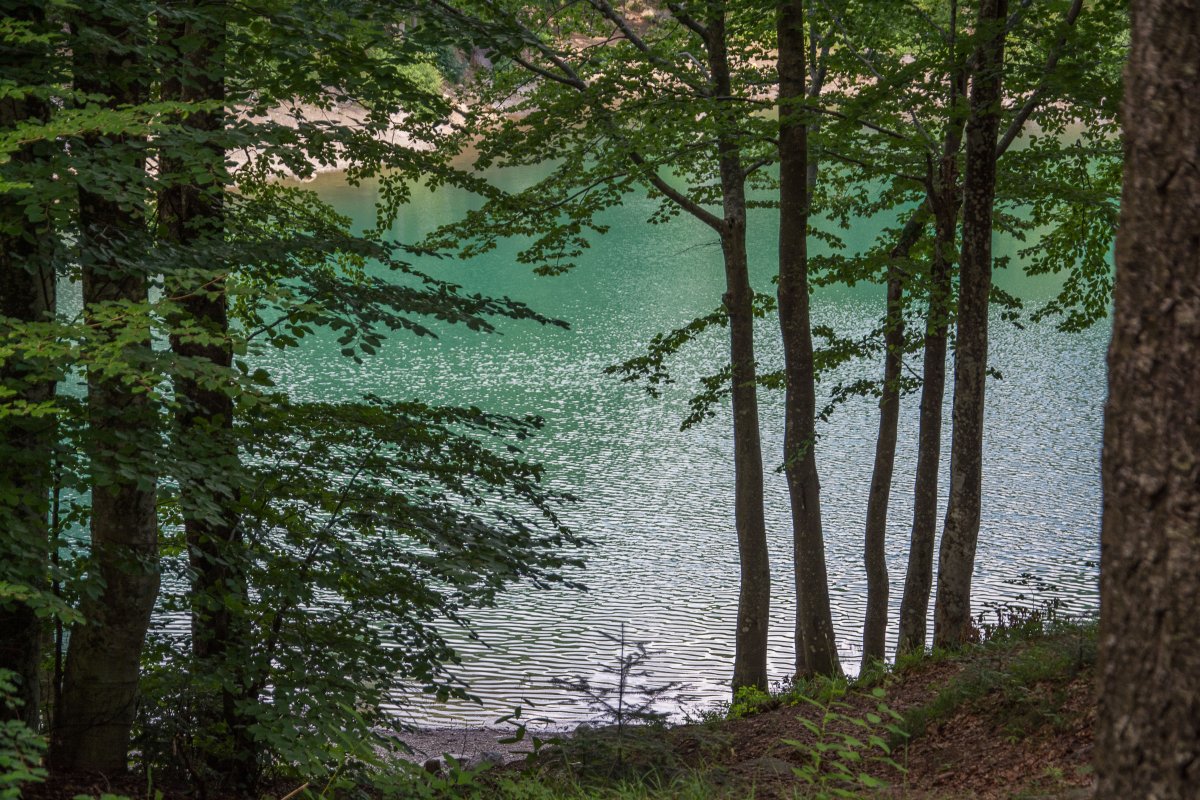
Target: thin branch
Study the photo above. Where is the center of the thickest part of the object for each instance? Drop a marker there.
(551, 15)
(829, 112)
(688, 21)
(1031, 103)
(821, 64)
(947, 36)
(547, 74)
(616, 18)
(1015, 17)
(872, 168)
(570, 77)
(622, 24)
(757, 165)
(866, 62)
(679, 198)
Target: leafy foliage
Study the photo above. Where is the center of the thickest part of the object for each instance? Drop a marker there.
(841, 744)
(363, 530)
(21, 749)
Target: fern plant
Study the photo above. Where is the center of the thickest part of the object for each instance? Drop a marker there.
(844, 745)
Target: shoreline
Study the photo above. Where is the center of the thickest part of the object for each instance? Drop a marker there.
(348, 114)
(467, 744)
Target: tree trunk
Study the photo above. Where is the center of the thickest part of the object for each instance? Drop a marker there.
(944, 197)
(100, 684)
(1148, 729)
(191, 218)
(875, 541)
(918, 579)
(754, 600)
(27, 294)
(816, 648)
(956, 558)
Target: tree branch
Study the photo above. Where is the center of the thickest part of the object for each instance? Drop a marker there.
(689, 22)
(1031, 103)
(679, 198)
(866, 62)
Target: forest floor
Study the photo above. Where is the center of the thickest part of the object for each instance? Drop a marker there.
(1008, 719)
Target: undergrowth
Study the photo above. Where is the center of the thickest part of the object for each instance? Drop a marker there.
(1024, 668)
(847, 738)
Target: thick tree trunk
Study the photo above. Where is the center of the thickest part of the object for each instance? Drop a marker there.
(100, 684)
(956, 558)
(191, 218)
(754, 600)
(27, 294)
(816, 648)
(875, 540)
(1148, 729)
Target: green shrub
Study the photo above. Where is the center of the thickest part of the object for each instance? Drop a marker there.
(21, 749)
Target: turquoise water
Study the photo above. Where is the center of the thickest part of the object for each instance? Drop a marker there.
(658, 502)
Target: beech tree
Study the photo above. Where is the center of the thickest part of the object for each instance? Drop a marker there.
(27, 296)
(296, 534)
(100, 683)
(956, 561)
(1148, 726)
(893, 144)
(816, 646)
(664, 106)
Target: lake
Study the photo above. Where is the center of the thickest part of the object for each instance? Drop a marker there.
(658, 502)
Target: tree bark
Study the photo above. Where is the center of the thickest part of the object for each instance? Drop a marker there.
(1148, 728)
(100, 683)
(956, 558)
(754, 599)
(816, 647)
(875, 540)
(918, 578)
(191, 218)
(27, 294)
(943, 198)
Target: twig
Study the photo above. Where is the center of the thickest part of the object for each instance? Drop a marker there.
(295, 792)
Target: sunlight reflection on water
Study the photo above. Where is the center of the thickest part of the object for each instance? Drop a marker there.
(658, 502)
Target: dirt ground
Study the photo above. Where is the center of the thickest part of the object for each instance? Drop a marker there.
(970, 754)
(1015, 727)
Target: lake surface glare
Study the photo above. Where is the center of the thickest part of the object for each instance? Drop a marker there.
(657, 502)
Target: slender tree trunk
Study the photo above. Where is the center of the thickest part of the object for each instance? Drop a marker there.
(816, 648)
(956, 558)
(1148, 728)
(27, 294)
(918, 579)
(943, 198)
(100, 684)
(754, 601)
(191, 218)
(875, 540)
